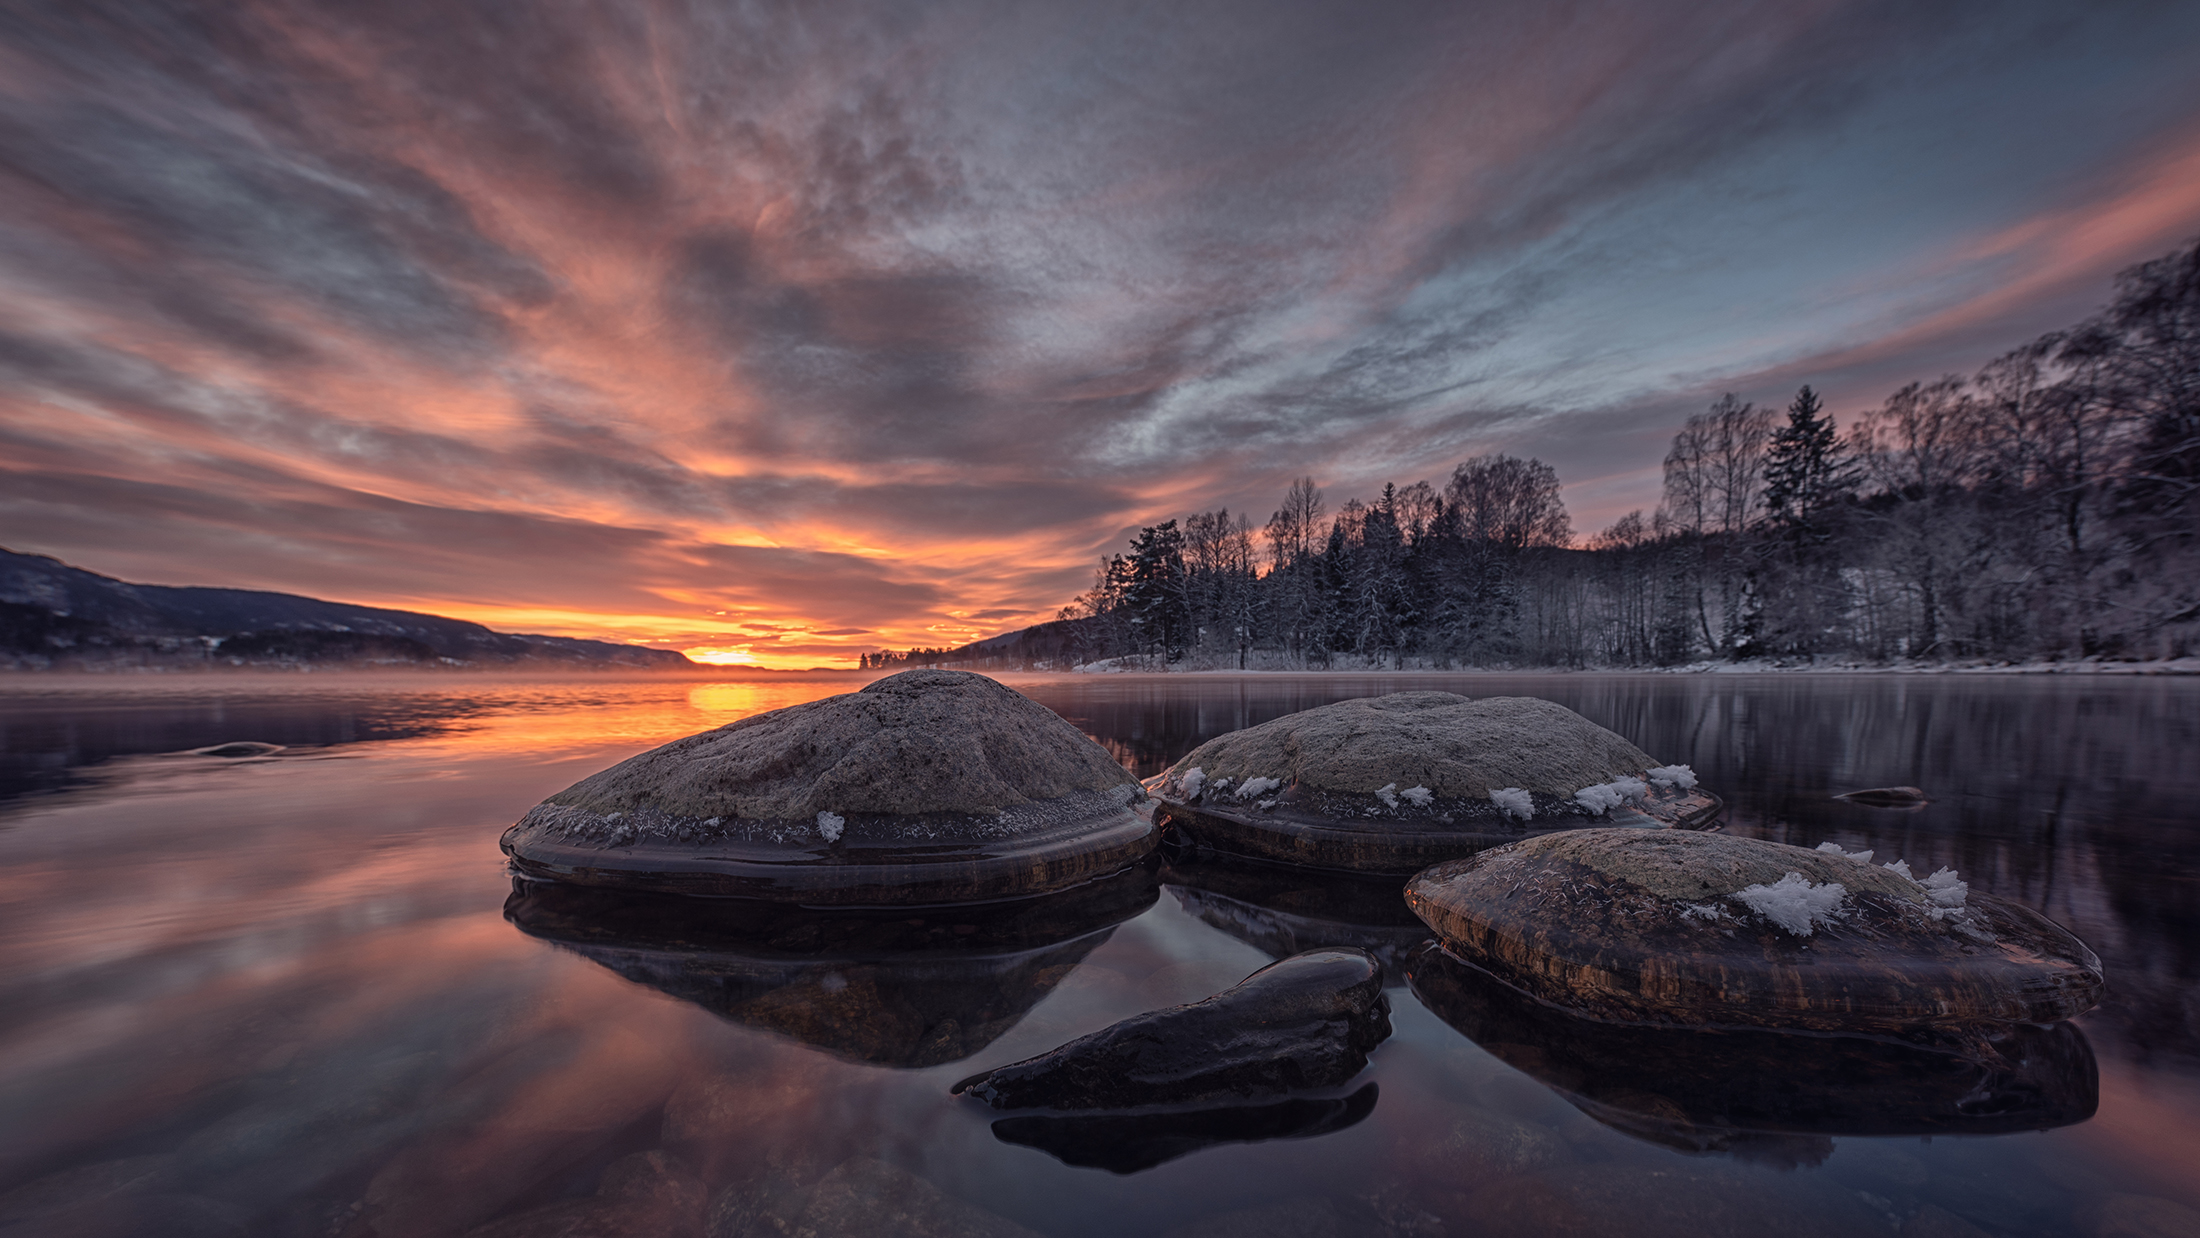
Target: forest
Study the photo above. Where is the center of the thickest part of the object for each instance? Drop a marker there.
(2040, 509)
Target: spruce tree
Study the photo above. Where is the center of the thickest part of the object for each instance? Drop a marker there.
(1806, 468)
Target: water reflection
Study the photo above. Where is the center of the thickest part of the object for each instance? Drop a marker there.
(916, 988)
(278, 996)
(1768, 1096)
(1129, 1142)
(1285, 911)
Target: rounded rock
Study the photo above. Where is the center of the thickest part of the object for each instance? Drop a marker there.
(1682, 928)
(1392, 784)
(925, 787)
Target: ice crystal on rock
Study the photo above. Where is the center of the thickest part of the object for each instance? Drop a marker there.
(1794, 903)
(1193, 779)
(830, 825)
(1515, 802)
(1861, 857)
(1257, 786)
(1418, 796)
(1671, 776)
(1606, 796)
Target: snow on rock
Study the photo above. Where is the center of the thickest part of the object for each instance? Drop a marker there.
(1388, 794)
(1671, 776)
(1861, 857)
(1257, 786)
(1417, 796)
(1192, 780)
(1947, 891)
(1794, 903)
(1217, 786)
(1605, 796)
(1515, 802)
(830, 824)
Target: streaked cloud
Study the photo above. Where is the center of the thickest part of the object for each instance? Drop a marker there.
(797, 330)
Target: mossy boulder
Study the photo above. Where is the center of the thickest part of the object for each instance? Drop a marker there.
(1684, 928)
(1392, 784)
(924, 787)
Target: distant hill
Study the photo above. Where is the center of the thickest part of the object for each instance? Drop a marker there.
(57, 617)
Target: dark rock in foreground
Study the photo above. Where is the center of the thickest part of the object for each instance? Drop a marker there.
(922, 788)
(1763, 1095)
(1126, 1143)
(1306, 1022)
(1683, 928)
(1395, 783)
(916, 988)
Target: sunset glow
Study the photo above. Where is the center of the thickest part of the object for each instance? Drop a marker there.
(778, 338)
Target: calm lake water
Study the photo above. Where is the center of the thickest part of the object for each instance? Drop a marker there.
(297, 993)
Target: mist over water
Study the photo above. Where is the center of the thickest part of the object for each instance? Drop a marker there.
(284, 993)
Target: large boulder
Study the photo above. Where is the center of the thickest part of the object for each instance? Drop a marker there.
(1392, 784)
(1684, 928)
(1306, 1022)
(925, 787)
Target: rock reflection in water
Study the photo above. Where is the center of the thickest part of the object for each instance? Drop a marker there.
(911, 988)
(1125, 1143)
(1283, 911)
(1770, 1096)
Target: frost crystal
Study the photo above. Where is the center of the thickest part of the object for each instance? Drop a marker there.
(1514, 801)
(1418, 796)
(1671, 776)
(1192, 780)
(1605, 796)
(1388, 794)
(830, 825)
(1257, 786)
(1703, 911)
(1794, 903)
(1947, 891)
(1900, 868)
(1861, 857)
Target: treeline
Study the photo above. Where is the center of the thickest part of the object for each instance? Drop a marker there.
(2042, 508)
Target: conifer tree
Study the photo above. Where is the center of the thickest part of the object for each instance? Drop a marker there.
(1806, 468)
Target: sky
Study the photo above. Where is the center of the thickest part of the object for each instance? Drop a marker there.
(782, 332)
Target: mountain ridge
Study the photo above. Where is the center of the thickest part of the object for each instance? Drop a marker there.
(55, 616)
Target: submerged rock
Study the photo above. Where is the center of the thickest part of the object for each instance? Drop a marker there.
(1306, 1022)
(1392, 784)
(1126, 1143)
(1886, 797)
(924, 787)
(1677, 927)
(916, 988)
(1767, 1095)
